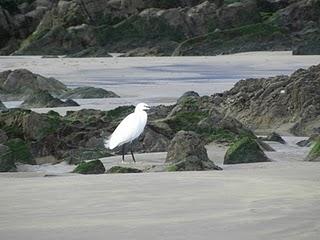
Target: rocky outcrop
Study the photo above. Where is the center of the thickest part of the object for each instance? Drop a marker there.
(88, 92)
(308, 142)
(246, 150)
(186, 152)
(119, 169)
(274, 137)
(92, 167)
(43, 99)
(273, 102)
(20, 83)
(314, 154)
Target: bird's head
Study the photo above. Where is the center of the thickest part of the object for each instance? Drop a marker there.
(142, 107)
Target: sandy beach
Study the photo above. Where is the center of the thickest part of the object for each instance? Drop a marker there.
(275, 200)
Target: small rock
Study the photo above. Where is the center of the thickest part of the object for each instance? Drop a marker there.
(2, 107)
(92, 167)
(119, 169)
(245, 150)
(274, 137)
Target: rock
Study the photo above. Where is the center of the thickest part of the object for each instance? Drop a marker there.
(20, 83)
(70, 103)
(308, 142)
(43, 99)
(274, 137)
(238, 14)
(187, 95)
(246, 150)
(92, 167)
(88, 92)
(20, 152)
(264, 146)
(119, 169)
(3, 136)
(314, 154)
(6, 161)
(186, 152)
(274, 102)
(2, 107)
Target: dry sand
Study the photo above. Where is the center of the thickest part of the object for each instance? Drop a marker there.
(276, 200)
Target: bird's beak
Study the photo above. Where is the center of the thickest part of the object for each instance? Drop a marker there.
(147, 108)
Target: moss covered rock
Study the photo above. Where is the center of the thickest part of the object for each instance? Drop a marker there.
(186, 152)
(92, 167)
(314, 154)
(245, 150)
(119, 169)
(6, 161)
(20, 151)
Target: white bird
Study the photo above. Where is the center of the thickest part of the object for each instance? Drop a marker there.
(129, 129)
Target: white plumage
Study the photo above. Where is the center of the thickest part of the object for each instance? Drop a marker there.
(129, 129)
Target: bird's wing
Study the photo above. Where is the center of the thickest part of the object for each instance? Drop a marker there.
(125, 132)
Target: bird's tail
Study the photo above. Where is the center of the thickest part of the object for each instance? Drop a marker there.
(109, 144)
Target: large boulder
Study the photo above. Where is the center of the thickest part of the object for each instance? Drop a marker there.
(186, 152)
(92, 167)
(88, 92)
(6, 161)
(20, 83)
(314, 154)
(245, 150)
(43, 99)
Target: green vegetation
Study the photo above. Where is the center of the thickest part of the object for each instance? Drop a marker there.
(20, 152)
(119, 169)
(92, 167)
(120, 112)
(136, 28)
(314, 153)
(245, 150)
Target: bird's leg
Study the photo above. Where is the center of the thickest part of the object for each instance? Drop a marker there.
(123, 146)
(132, 153)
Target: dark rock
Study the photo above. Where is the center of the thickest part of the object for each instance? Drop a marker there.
(92, 167)
(88, 92)
(20, 151)
(314, 154)
(273, 102)
(274, 137)
(119, 169)
(308, 142)
(246, 150)
(3, 136)
(6, 161)
(20, 83)
(186, 152)
(264, 146)
(70, 103)
(2, 107)
(187, 95)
